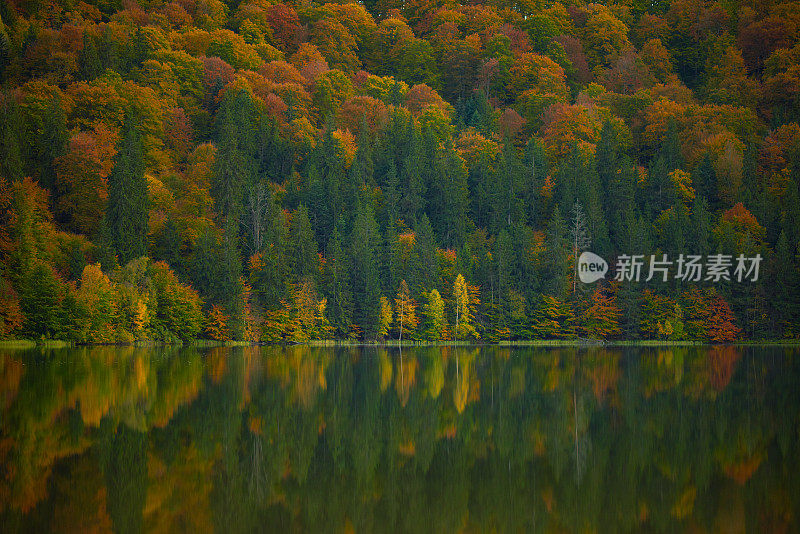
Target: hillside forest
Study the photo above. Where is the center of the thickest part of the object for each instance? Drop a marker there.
(425, 170)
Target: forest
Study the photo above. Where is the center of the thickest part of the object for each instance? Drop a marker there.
(425, 170)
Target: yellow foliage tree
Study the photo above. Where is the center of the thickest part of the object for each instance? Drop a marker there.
(405, 309)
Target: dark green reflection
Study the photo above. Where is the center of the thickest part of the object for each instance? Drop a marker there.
(302, 439)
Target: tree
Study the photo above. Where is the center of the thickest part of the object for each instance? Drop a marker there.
(340, 309)
(304, 248)
(556, 265)
(123, 461)
(384, 319)
(235, 162)
(553, 319)
(580, 239)
(464, 304)
(404, 310)
(127, 211)
(364, 246)
(434, 320)
(600, 319)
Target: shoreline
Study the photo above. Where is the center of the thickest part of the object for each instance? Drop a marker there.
(25, 344)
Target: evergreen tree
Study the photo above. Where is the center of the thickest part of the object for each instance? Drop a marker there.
(424, 264)
(555, 277)
(128, 208)
(364, 246)
(704, 181)
(700, 226)
(508, 207)
(40, 301)
(123, 461)
(579, 237)
(168, 246)
(11, 139)
(304, 247)
(340, 304)
(392, 195)
(236, 159)
(786, 290)
(274, 153)
(449, 198)
(537, 169)
(52, 142)
(607, 155)
(216, 270)
(413, 181)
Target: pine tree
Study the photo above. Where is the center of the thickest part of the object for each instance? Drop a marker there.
(536, 173)
(580, 239)
(11, 162)
(304, 247)
(52, 142)
(168, 246)
(364, 246)
(413, 181)
(340, 305)
(236, 159)
(704, 181)
(556, 265)
(128, 209)
(700, 226)
(424, 264)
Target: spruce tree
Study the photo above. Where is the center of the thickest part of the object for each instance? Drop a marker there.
(304, 247)
(11, 139)
(537, 168)
(556, 266)
(52, 142)
(700, 226)
(424, 264)
(704, 181)
(127, 211)
(364, 247)
(413, 181)
(340, 305)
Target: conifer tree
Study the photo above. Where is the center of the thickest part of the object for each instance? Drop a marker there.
(128, 208)
(556, 267)
(580, 238)
(424, 256)
(304, 247)
(52, 142)
(364, 246)
(340, 305)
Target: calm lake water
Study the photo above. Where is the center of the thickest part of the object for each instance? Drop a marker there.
(370, 440)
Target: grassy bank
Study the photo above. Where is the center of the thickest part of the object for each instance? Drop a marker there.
(205, 343)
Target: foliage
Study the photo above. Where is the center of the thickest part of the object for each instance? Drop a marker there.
(242, 144)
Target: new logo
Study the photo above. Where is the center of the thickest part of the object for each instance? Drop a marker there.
(591, 267)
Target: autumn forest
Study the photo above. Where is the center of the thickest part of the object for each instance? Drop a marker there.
(425, 170)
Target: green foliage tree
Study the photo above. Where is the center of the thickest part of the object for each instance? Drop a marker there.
(127, 211)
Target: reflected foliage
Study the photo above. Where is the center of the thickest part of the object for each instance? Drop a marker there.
(437, 439)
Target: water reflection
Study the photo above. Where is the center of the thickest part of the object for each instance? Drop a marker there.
(300, 439)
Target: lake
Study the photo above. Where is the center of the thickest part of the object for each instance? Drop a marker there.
(439, 439)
